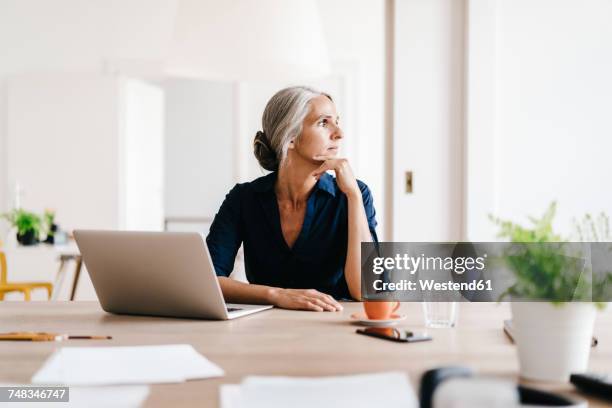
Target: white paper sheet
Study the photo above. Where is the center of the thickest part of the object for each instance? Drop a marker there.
(389, 389)
(125, 365)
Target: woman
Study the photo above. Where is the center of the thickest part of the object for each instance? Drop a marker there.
(302, 228)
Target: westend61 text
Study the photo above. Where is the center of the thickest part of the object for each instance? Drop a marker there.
(430, 284)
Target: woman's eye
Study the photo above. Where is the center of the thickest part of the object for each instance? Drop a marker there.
(323, 122)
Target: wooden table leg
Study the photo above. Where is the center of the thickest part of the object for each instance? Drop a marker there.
(77, 273)
(59, 278)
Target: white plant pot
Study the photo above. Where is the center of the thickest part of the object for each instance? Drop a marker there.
(553, 341)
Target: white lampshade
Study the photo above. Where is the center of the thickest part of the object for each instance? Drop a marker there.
(248, 40)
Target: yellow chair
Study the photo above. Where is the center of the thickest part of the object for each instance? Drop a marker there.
(23, 287)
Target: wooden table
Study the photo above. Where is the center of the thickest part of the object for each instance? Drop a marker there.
(281, 342)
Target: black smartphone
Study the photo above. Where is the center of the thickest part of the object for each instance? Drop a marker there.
(390, 333)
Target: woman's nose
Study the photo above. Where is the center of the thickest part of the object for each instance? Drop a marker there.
(338, 133)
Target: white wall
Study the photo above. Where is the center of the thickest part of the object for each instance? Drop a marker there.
(429, 112)
(141, 154)
(355, 32)
(199, 147)
(528, 82)
(89, 147)
(82, 36)
(72, 36)
(62, 143)
(551, 90)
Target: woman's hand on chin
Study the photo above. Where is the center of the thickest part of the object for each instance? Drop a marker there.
(344, 174)
(303, 299)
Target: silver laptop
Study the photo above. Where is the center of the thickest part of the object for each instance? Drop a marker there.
(157, 274)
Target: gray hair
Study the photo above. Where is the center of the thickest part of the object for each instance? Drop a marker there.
(281, 123)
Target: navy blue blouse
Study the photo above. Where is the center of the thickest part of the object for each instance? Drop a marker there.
(250, 215)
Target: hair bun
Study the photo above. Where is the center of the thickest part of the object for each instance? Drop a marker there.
(265, 155)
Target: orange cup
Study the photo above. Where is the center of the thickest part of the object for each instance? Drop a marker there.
(380, 310)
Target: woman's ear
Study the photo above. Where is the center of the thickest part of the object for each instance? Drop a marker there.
(291, 144)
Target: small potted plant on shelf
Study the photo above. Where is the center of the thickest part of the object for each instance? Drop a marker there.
(50, 226)
(553, 307)
(28, 225)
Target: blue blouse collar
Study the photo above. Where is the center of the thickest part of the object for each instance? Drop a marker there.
(266, 183)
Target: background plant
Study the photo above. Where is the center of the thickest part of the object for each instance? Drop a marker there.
(546, 266)
(597, 229)
(593, 229)
(49, 219)
(24, 221)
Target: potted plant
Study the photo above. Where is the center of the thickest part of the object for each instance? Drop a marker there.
(28, 225)
(553, 311)
(50, 226)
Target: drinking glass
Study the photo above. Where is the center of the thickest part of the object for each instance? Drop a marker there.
(440, 314)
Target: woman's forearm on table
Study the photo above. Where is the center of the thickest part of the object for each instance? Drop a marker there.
(240, 292)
